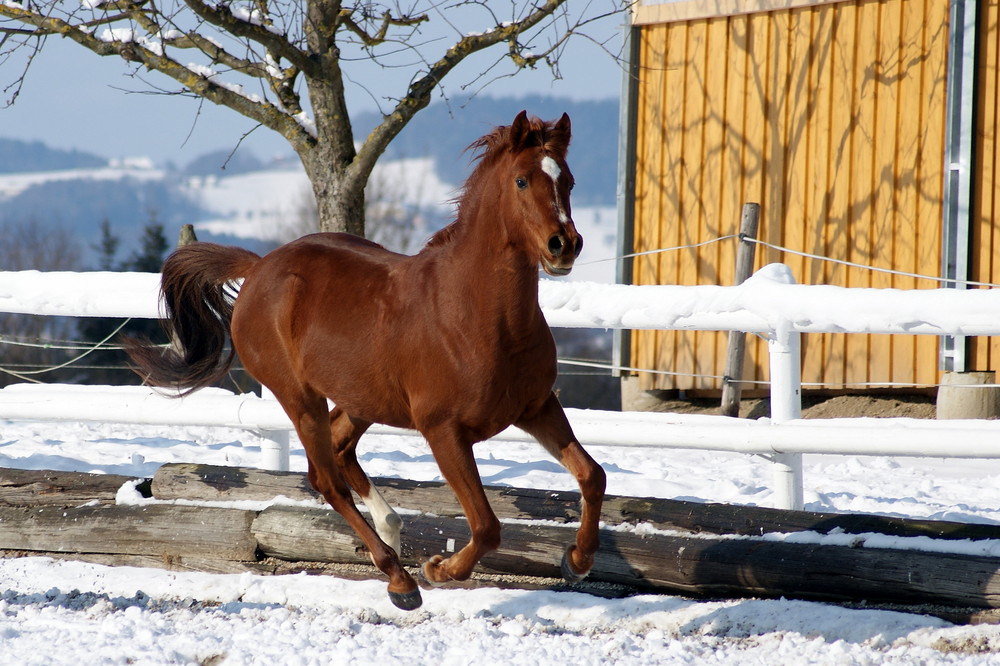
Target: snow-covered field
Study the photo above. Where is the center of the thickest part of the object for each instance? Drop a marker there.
(69, 613)
(266, 204)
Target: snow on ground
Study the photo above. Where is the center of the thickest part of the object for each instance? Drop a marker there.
(61, 612)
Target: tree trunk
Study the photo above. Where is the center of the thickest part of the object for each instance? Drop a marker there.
(331, 162)
(340, 199)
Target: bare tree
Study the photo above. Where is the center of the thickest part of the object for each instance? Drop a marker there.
(394, 216)
(274, 61)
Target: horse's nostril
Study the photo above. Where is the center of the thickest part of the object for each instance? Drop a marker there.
(556, 245)
(578, 246)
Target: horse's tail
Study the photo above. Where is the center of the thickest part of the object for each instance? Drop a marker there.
(198, 287)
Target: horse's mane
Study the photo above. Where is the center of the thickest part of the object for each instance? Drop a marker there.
(539, 134)
(488, 149)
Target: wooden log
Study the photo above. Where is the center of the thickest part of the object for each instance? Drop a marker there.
(159, 530)
(324, 536)
(717, 567)
(319, 535)
(184, 536)
(207, 482)
(216, 482)
(21, 487)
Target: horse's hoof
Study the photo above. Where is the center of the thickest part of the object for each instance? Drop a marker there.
(568, 574)
(425, 571)
(406, 600)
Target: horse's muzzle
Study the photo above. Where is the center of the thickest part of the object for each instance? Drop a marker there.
(564, 248)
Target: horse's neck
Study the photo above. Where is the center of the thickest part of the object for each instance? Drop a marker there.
(474, 255)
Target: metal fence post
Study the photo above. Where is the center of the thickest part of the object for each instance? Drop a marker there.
(786, 403)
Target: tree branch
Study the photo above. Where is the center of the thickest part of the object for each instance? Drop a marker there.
(388, 20)
(152, 56)
(419, 94)
(222, 17)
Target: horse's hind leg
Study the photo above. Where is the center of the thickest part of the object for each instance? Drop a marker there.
(552, 430)
(312, 422)
(345, 432)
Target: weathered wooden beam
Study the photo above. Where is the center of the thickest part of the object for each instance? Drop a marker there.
(209, 482)
(183, 536)
(677, 564)
(159, 530)
(217, 482)
(23, 487)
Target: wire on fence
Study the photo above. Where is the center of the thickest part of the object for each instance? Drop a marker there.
(27, 375)
(842, 262)
(56, 345)
(614, 368)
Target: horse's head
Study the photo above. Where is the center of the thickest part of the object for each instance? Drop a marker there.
(534, 184)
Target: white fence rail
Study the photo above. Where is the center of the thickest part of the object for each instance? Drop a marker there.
(769, 303)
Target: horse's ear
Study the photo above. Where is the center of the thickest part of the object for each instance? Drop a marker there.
(557, 138)
(563, 125)
(519, 130)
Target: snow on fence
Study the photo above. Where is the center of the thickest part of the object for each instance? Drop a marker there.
(769, 303)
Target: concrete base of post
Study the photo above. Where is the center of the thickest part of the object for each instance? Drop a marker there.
(961, 396)
(634, 399)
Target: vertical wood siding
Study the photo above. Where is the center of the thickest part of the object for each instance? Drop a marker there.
(985, 352)
(832, 118)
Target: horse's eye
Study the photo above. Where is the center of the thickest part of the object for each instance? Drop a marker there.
(521, 183)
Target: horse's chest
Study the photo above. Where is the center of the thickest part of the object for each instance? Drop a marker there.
(514, 377)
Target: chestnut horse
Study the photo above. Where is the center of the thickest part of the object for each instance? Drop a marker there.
(450, 342)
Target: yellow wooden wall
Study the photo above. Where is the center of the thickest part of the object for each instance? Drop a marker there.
(832, 118)
(984, 353)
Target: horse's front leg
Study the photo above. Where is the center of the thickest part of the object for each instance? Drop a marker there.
(458, 466)
(552, 430)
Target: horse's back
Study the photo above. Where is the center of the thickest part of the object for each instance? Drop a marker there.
(318, 306)
(333, 247)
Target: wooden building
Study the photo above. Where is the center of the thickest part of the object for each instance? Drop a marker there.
(865, 129)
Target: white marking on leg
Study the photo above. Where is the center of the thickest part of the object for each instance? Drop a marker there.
(386, 521)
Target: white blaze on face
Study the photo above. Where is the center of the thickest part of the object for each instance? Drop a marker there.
(551, 168)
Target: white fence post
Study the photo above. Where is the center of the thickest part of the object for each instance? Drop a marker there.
(274, 445)
(786, 404)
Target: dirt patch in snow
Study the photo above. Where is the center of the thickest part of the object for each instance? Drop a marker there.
(820, 407)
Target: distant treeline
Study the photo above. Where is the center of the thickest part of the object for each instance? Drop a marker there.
(25, 156)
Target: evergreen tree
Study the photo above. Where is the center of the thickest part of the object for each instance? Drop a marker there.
(152, 250)
(106, 247)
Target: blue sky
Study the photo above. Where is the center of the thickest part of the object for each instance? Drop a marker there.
(74, 99)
